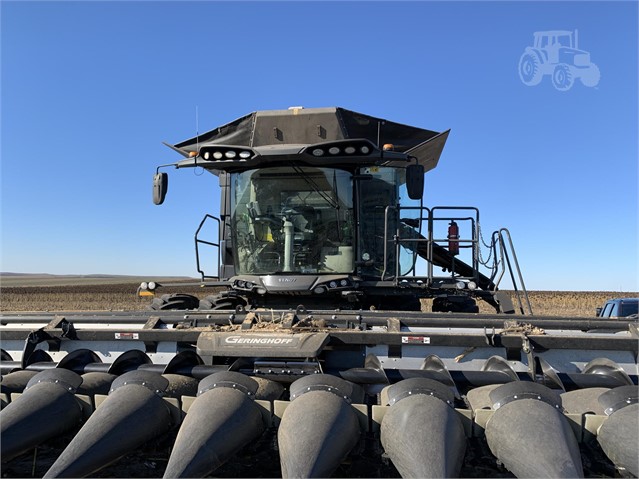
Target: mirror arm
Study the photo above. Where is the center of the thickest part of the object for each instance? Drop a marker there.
(157, 170)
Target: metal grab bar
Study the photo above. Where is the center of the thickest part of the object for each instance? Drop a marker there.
(501, 246)
(427, 216)
(215, 245)
(501, 233)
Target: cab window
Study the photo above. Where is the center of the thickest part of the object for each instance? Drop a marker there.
(615, 310)
(606, 311)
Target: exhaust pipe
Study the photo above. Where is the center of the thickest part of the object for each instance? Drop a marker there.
(619, 434)
(529, 433)
(46, 409)
(421, 432)
(132, 414)
(222, 420)
(319, 427)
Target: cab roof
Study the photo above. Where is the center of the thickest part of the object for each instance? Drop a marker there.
(308, 126)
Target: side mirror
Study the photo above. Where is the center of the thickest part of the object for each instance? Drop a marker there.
(160, 186)
(598, 311)
(415, 181)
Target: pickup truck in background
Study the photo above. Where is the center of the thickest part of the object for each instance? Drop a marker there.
(626, 308)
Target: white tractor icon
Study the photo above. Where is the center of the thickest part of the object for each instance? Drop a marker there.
(556, 53)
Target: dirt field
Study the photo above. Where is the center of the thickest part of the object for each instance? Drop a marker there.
(100, 294)
(83, 297)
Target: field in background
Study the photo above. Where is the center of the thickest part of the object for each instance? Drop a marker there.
(23, 280)
(88, 295)
(100, 293)
(562, 303)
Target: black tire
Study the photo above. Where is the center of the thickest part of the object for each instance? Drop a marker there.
(396, 304)
(470, 306)
(445, 305)
(530, 69)
(440, 305)
(562, 77)
(221, 302)
(175, 301)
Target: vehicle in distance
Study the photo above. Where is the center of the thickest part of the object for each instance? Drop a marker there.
(619, 308)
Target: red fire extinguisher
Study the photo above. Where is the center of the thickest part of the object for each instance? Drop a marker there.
(453, 237)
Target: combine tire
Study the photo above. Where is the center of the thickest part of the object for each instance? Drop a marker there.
(562, 77)
(394, 304)
(529, 69)
(218, 302)
(446, 305)
(174, 301)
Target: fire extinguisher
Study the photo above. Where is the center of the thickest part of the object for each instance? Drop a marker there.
(453, 237)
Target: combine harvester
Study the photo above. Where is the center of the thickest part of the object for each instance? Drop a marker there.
(314, 346)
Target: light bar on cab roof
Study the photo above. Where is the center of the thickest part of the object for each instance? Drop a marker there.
(341, 148)
(226, 153)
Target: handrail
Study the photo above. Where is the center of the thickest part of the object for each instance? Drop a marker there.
(501, 246)
(427, 216)
(398, 240)
(504, 254)
(197, 247)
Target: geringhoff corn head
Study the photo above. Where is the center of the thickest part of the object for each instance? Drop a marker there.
(312, 357)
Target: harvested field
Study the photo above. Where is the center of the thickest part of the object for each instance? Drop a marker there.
(563, 303)
(83, 297)
(105, 295)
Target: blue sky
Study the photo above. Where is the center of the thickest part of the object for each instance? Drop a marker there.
(90, 90)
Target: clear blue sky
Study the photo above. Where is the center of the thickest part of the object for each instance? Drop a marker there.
(91, 89)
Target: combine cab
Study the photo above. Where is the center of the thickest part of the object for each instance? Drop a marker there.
(315, 345)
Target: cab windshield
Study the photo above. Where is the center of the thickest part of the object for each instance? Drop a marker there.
(292, 220)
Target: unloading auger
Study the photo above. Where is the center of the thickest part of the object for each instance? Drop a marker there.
(312, 356)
